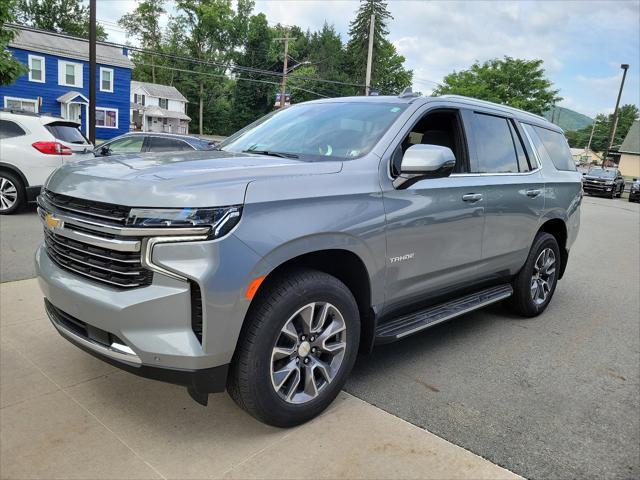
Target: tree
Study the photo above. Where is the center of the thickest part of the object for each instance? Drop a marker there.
(627, 114)
(10, 68)
(144, 25)
(388, 72)
(62, 16)
(510, 81)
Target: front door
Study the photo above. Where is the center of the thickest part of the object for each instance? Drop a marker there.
(435, 226)
(74, 112)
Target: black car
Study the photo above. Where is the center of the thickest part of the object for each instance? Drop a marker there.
(634, 193)
(603, 181)
(152, 142)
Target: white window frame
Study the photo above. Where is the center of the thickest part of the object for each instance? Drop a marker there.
(110, 70)
(42, 65)
(30, 100)
(107, 109)
(62, 73)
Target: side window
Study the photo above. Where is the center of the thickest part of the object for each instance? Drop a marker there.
(440, 127)
(161, 144)
(495, 145)
(10, 129)
(557, 147)
(127, 145)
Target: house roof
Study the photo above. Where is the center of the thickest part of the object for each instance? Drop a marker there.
(153, 111)
(160, 91)
(72, 95)
(631, 143)
(68, 46)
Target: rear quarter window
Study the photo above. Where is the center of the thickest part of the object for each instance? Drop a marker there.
(9, 129)
(557, 148)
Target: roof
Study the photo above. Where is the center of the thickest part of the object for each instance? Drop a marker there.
(72, 95)
(67, 46)
(159, 91)
(154, 111)
(631, 143)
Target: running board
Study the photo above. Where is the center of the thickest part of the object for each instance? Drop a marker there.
(400, 327)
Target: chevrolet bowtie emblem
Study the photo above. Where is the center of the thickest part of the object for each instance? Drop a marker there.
(51, 221)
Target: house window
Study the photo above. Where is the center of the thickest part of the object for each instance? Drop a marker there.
(164, 103)
(36, 69)
(106, 79)
(138, 98)
(106, 117)
(69, 74)
(24, 104)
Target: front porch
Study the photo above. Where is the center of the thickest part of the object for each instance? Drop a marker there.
(156, 119)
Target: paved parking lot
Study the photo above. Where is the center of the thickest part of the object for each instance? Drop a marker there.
(552, 397)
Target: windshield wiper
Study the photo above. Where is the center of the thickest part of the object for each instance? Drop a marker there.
(272, 153)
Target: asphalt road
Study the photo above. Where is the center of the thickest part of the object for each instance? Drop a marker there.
(557, 396)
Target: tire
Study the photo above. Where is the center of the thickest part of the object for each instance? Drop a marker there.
(525, 301)
(619, 194)
(255, 379)
(12, 194)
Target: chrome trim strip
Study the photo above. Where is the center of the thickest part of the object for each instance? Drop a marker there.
(514, 174)
(457, 314)
(58, 242)
(115, 351)
(52, 203)
(88, 275)
(149, 243)
(94, 266)
(531, 144)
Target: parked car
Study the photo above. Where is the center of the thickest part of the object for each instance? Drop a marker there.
(316, 232)
(603, 181)
(31, 147)
(634, 191)
(145, 142)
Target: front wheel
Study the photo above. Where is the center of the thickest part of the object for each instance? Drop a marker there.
(297, 348)
(12, 195)
(619, 195)
(536, 282)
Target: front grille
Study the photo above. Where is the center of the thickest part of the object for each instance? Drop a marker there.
(121, 269)
(104, 212)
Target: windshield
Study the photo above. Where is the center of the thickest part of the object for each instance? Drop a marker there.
(318, 131)
(598, 172)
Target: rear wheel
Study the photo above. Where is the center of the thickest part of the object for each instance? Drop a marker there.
(12, 194)
(297, 348)
(536, 282)
(619, 195)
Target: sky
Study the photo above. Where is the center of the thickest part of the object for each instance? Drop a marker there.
(582, 42)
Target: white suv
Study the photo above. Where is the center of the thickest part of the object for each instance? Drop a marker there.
(32, 146)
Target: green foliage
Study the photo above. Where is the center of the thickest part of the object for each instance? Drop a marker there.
(62, 16)
(10, 68)
(509, 81)
(388, 72)
(627, 114)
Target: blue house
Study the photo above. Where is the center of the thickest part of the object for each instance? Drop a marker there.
(58, 80)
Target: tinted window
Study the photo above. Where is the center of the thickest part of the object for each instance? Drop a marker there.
(10, 129)
(523, 159)
(496, 152)
(557, 147)
(126, 145)
(67, 132)
(162, 144)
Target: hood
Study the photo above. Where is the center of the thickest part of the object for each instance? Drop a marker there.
(193, 179)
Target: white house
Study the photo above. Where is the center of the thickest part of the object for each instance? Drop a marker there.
(158, 108)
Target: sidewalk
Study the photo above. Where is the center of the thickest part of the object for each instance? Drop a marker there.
(64, 414)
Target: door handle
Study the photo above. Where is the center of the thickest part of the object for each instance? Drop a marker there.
(533, 193)
(472, 197)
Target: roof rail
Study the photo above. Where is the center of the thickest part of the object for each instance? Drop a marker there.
(408, 93)
(18, 111)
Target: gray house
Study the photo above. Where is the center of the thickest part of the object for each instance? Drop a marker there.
(158, 108)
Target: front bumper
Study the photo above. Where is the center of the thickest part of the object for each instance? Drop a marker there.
(598, 189)
(202, 381)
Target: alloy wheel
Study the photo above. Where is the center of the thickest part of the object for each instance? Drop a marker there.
(544, 276)
(8, 194)
(308, 352)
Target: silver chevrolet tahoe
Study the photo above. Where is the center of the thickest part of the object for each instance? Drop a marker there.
(315, 233)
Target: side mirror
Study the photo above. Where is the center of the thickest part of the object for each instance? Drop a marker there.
(104, 150)
(424, 161)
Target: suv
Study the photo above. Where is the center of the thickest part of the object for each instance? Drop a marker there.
(634, 191)
(603, 181)
(316, 232)
(32, 146)
(145, 142)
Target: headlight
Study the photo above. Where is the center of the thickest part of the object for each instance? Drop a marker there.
(220, 220)
(609, 182)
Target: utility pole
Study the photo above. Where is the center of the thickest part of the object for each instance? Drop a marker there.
(92, 71)
(283, 90)
(614, 123)
(367, 82)
(593, 128)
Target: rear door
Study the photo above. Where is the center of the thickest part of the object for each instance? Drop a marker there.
(514, 191)
(166, 144)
